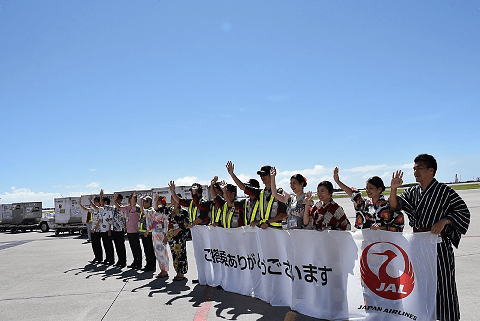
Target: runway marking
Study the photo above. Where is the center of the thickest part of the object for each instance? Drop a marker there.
(204, 309)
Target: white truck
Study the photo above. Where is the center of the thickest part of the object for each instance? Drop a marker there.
(67, 217)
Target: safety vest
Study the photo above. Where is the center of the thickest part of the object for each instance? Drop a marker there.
(216, 216)
(254, 212)
(143, 222)
(227, 224)
(266, 215)
(192, 214)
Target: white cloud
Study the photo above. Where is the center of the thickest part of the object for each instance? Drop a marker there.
(19, 195)
(140, 187)
(92, 184)
(367, 168)
(93, 169)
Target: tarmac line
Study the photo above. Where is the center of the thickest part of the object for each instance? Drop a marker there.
(123, 287)
(204, 309)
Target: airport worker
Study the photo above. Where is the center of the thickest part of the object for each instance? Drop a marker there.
(325, 214)
(372, 212)
(157, 222)
(435, 207)
(295, 203)
(177, 238)
(272, 211)
(231, 216)
(118, 231)
(95, 236)
(198, 207)
(216, 211)
(146, 235)
(104, 223)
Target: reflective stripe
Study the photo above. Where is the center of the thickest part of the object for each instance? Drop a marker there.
(254, 211)
(266, 216)
(216, 218)
(190, 212)
(230, 215)
(143, 228)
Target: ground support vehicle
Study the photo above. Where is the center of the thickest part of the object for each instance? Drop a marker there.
(67, 217)
(20, 216)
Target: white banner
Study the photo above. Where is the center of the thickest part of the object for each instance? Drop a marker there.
(334, 275)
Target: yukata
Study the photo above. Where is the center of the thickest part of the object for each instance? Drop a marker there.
(295, 211)
(424, 209)
(157, 222)
(368, 213)
(328, 216)
(178, 243)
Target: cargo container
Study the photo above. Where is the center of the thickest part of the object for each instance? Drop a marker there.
(68, 217)
(21, 216)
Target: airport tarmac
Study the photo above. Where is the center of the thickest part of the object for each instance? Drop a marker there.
(48, 277)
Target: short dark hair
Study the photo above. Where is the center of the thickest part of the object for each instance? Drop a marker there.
(106, 200)
(327, 185)
(377, 182)
(96, 199)
(120, 196)
(428, 160)
(199, 188)
(253, 182)
(300, 179)
(232, 188)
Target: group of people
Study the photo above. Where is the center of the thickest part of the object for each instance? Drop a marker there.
(430, 206)
(151, 220)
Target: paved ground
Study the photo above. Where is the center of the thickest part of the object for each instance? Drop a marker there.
(47, 277)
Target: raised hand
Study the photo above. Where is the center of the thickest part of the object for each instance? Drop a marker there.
(171, 184)
(336, 177)
(230, 167)
(396, 179)
(273, 171)
(214, 180)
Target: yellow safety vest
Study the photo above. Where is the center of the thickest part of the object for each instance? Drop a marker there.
(192, 214)
(143, 228)
(254, 211)
(266, 216)
(227, 224)
(216, 217)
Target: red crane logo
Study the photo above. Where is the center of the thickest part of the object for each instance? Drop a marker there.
(384, 285)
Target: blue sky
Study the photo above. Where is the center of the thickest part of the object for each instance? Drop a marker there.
(125, 94)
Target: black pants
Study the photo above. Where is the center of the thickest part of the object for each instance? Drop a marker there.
(134, 242)
(97, 246)
(147, 242)
(108, 246)
(119, 241)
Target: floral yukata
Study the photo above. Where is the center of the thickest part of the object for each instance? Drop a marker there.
(158, 223)
(178, 243)
(368, 213)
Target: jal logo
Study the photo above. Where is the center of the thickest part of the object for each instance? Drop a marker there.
(394, 279)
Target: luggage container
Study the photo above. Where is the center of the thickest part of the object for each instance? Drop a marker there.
(21, 216)
(68, 216)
